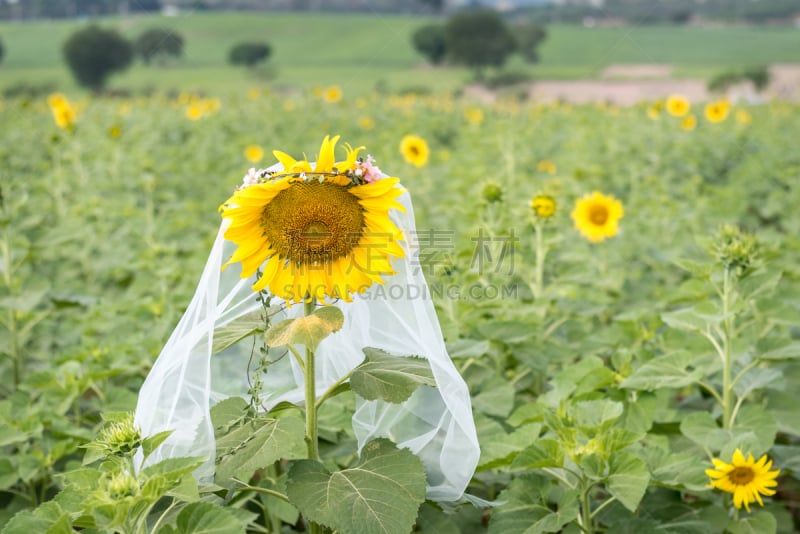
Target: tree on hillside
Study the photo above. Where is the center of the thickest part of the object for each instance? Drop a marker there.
(430, 41)
(158, 42)
(249, 54)
(93, 54)
(528, 37)
(479, 39)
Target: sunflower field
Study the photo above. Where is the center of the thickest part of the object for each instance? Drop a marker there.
(618, 287)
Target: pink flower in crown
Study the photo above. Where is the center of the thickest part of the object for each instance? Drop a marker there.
(370, 171)
(251, 178)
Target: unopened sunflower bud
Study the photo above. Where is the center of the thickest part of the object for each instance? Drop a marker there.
(492, 192)
(122, 485)
(120, 438)
(737, 250)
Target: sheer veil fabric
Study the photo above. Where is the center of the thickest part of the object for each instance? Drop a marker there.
(434, 423)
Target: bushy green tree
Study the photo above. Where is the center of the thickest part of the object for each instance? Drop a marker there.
(94, 53)
(249, 54)
(528, 37)
(157, 42)
(430, 41)
(479, 38)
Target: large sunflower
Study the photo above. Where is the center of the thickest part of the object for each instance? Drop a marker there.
(315, 230)
(747, 479)
(597, 216)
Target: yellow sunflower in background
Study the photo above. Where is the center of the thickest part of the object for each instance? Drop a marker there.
(746, 479)
(689, 123)
(717, 111)
(597, 216)
(543, 206)
(678, 105)
(415, 150)
(546, 166)
(743, 117)
(473, 115)
(64, 114)
(333, 94)
(253, 153)
(315, 230)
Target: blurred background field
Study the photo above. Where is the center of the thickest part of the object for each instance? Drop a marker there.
(361, 52)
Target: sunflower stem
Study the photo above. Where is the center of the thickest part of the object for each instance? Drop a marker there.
(541, 252)
(727, 364)
(311, 394)
(586, 510)
(311, 406)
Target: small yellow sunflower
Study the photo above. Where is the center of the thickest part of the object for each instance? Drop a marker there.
(678, 105)
(64, 114)
(473, 115)
(546, 166)
(743, 117)
(313, 231)
(689, 123)
(746, 479)
(597, 216)
(717, 111)
(115, 132)
(415, 150)
(333, 94)
(543, 206)
(366, 123)
(253, 153)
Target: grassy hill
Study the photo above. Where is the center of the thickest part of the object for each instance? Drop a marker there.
(360, 51)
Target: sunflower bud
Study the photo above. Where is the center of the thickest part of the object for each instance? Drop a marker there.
(121, 485)
(120, 438)
(492, 192)
(736, 249)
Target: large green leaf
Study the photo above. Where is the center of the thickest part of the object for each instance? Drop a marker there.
(496, 398)
(258, 444)
(702, 429)
(381, 494)
(595, 414)
(543, 453)
(526, 508)
(49, 518)
(758, 523)
(309, 330)
(667, 371)
(205, 518)
(627, 480)
(235, 331)
(383, 376)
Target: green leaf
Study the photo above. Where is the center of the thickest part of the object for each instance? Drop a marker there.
(703, 430)
(781, 349)
(235, 331)
(498, 448)
(686, 319)
(205, 518)
(10, 435)
(383, 376)
(468, 348)
(150, 444)
(228, 413)
(543, 453)
(381, 494)
(667, 371)
(628, 479)
(758, 523)
(8, 474)
(308, 331)
(526, 510)
(758, 378)
(49, 518)
(595, 414)
(258, 444)
(496, 398)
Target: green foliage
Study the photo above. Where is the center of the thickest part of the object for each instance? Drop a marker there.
(94, 53)
(2, 51)
(479, 39)
(430, 41)
(309, 330)
(528, 37)
(759, 76)
(390, 378)
(379, 495)
(249, 54)
(158, 42)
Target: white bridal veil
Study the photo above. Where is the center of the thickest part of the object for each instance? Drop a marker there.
(187, 379)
